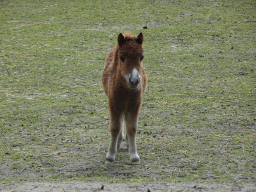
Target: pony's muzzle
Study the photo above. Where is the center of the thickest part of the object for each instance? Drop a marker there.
(134, 81)
(134, 78)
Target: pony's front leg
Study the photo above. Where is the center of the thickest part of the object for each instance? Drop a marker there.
(131, 128)
(115, 126)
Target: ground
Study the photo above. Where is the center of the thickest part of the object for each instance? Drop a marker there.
(197, 121)
(84, 186)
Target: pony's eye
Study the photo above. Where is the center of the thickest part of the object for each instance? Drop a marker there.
(141, 57)
(122, 58)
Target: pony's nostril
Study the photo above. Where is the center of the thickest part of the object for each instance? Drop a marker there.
(138, 81)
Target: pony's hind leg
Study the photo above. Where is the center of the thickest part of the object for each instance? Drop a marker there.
(115, 126)
(120, 136)
(127, 141)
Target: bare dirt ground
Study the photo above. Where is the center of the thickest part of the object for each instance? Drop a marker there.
(106, 186)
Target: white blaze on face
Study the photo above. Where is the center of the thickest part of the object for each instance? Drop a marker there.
(134, 72)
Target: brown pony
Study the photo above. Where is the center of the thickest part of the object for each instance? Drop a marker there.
(124, 81)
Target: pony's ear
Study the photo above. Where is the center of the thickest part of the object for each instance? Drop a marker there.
(120, 39)
(140, 38)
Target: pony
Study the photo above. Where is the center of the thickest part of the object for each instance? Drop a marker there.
(124, 82)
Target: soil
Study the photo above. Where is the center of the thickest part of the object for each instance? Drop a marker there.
(106, 186)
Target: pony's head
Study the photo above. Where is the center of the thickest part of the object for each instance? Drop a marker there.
(130, 56)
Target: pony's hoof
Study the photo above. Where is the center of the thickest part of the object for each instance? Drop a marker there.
(135, 159)
(110, 158)
(108, 162)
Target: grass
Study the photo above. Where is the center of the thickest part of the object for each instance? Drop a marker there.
(197, 121)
